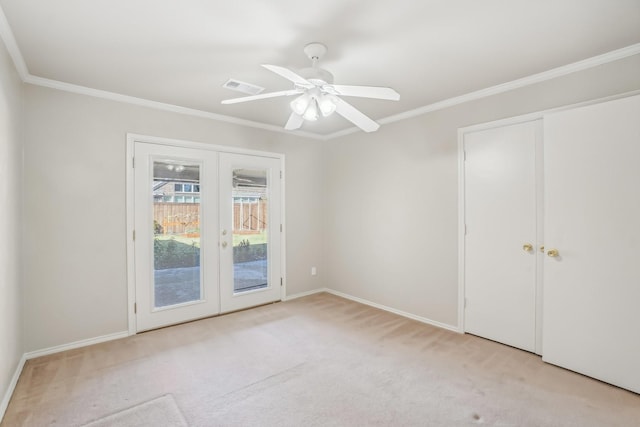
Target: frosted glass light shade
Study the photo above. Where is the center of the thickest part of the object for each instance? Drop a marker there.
(311, 113)
(311, 104)
(300, 104)
(327, 105)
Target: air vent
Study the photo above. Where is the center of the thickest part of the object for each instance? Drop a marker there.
(243, 87)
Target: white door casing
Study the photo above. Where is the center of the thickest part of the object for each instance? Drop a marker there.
(592, 218)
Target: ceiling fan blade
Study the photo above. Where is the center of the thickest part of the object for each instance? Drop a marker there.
(352, 114)
(367, 92)
(294, 122)
(289, 75)
(262, 96)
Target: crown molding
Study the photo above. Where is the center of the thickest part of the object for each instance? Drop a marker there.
(112, 96)
(6, 34)
(519, 83)
(12, 47)
(505, 87)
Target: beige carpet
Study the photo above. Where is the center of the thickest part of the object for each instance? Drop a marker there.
(316, 361)
(161, 411)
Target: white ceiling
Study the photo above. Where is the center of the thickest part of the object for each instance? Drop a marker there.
(182, 52)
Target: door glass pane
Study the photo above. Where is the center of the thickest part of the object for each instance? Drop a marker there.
(176, 233)
(250, 225)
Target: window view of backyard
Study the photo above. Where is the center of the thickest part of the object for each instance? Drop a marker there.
(250, 239)
(176, 215)
(176, 232)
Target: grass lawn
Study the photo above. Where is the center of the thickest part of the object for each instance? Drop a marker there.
(254, 239)
(180, 239)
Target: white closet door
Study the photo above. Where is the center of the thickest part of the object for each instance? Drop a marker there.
(501, 222)
(592, 289)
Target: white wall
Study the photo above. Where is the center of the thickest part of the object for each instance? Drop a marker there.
(376, 213)
(11, 115)
(75, 275)
(390, 233)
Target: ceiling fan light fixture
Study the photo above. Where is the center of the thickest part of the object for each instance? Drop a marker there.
(301, 104)
(327, 105)
(311, 113)
(316, 94)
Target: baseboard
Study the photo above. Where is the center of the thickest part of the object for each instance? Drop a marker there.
(51, 350)
(395, 311)
(12, 386)
(124, 334)
(304, 294)
(75, 344)
(376, 305)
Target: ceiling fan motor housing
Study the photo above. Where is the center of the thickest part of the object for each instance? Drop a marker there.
(317, 76)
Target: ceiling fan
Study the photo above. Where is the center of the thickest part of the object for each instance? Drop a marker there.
(319, 96)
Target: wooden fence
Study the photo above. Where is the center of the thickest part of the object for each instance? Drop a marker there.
(249, 218)
(184, 218)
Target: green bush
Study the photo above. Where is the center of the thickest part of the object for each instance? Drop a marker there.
(172, 254)
(244, 253)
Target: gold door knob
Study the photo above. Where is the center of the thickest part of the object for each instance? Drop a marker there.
(553, 253)
(527, 247)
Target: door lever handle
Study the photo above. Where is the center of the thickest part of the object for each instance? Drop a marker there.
(553, 253)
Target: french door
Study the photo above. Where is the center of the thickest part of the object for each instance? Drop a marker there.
(207, 233)
(249, 231)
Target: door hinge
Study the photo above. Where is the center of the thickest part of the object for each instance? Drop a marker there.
(281, 281)
(465, 302)
(135, 307)
(134, 235)
(133, 162)
(280, 174)
(281, 228)
(465, 229)
(464, 155)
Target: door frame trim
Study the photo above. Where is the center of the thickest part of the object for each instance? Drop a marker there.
(131, 139)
